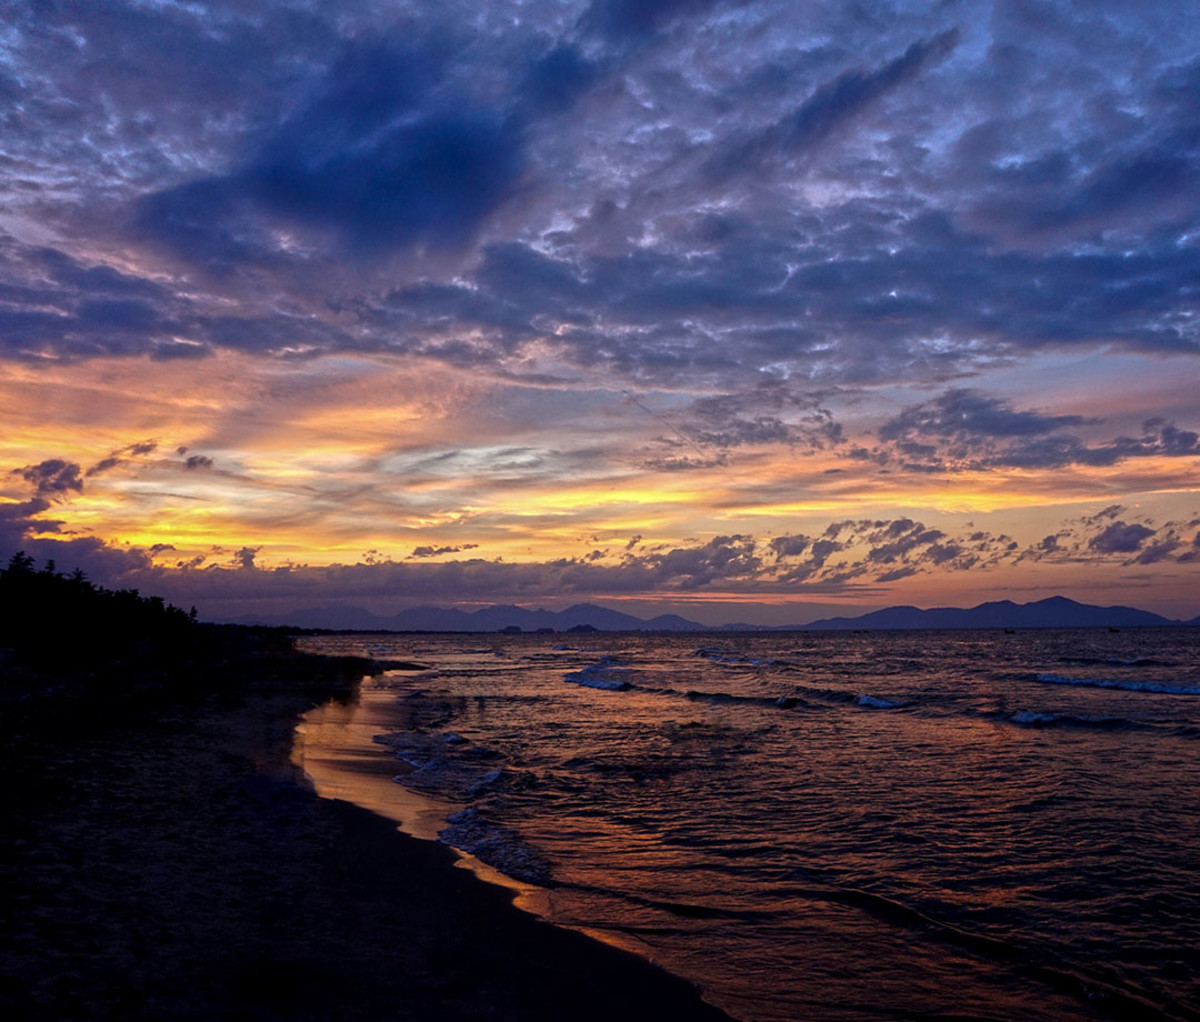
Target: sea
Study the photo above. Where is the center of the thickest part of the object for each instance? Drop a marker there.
(816, 826)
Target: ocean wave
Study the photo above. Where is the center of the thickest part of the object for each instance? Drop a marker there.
(880, 704)
(500, 847)
(1160, 687)
(604, 674)
(445, 765)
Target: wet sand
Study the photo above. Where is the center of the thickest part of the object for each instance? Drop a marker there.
(167, 861)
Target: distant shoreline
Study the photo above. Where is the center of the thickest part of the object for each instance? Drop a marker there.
(585, 618)
(727, 631)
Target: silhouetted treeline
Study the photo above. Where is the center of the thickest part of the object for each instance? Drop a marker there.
(72, 620)
(68, 645)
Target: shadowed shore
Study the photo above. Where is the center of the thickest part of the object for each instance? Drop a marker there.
(166, 862)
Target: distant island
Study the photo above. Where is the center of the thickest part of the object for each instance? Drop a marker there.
(1054, 612)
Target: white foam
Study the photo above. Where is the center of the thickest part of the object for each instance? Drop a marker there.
(1162, 687)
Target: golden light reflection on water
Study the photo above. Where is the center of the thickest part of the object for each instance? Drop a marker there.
(333, 746)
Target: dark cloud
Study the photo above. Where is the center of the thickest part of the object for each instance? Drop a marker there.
(1159, 550)
(17, 518)
(1120, 538)
(789, 546)
(197, 462)
(966, 430)
(1106, 536)
(691, 567)
(769, 414)
(556, 80)
(52, 476)
(967, 413)
(684, 463)
(900, 538)
(103, 466)
(830, 108)
(384, 153)
(1126, 186)
(244, 558)
(53, 304)
(122, 455)
(896, 574)
(438, 551)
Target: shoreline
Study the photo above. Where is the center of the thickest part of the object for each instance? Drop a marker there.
(333, 748)
(171, 862)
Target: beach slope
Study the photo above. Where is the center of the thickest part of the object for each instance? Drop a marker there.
(166, 861)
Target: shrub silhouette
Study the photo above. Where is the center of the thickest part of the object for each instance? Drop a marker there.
(68, 619)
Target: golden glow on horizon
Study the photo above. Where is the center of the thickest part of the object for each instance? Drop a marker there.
(317, 462)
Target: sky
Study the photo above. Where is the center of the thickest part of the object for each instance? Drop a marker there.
(753, 311)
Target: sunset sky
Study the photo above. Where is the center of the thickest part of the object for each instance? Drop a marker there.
(744, 310)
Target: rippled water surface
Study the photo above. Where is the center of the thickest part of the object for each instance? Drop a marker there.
(835, 826)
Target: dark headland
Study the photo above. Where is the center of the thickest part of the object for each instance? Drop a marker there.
(164, 860)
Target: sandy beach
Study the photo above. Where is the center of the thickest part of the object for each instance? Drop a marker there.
(167, 861)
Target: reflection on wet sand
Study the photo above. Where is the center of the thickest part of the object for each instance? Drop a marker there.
(335, 747)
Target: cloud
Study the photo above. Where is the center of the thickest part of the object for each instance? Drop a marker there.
(964, 413)
(385, 153)
(135, 450)
(628, 20)
(748, 216)
(17, 518)
(964, 430)
(851, 555)
(1159, 550)
(789, 546)
(830, 108)
(1120, 538)
(50, 303)
(53, 476)
(439, 551)
(298, 138)
(554, 81)
(1106, 537)
(770, 413)
(244, 558)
